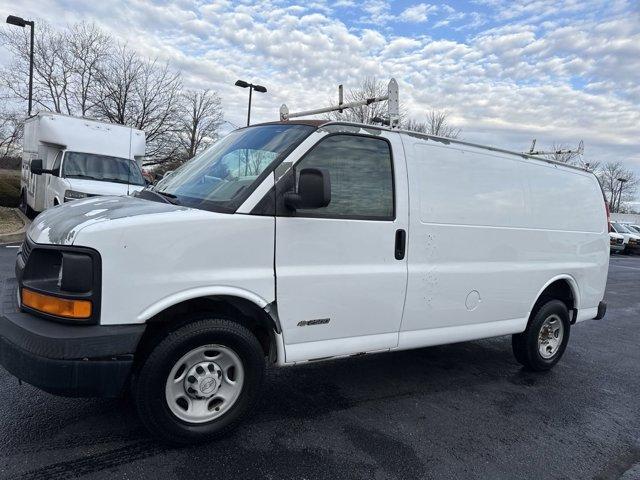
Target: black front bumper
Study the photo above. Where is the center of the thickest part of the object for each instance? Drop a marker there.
(64, 359)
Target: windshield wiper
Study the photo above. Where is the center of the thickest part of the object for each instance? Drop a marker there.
(162, 196)
(119, 180)
(169, 197)
(79, 175)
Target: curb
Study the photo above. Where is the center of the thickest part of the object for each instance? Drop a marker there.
(18, 235)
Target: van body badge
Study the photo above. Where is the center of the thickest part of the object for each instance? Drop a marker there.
(317, 321)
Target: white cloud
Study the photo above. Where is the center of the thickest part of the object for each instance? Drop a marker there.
(556, 78)
(417, 13)
(375, 12)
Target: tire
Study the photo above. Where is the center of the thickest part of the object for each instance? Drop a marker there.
(527, 346)
(24, 206)
(204, 417)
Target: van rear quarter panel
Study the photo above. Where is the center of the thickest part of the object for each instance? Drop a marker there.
(489, 230)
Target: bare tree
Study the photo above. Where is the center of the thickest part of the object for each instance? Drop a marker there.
(436, 123)
(89, 48)
(116, 84)
(10, 132)
(619, 184)
(51, 67)
(369, 88)
(65, 65)
(83, 71)
(143, 94)
(201, 117)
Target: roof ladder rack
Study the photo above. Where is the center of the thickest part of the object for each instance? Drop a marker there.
(391, 96)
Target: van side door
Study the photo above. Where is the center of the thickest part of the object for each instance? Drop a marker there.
(341, 270)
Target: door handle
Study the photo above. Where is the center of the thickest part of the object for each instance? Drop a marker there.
(401, 242)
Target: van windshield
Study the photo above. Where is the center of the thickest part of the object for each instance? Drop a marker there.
(102, 168)
(621, 228)
(223, 176)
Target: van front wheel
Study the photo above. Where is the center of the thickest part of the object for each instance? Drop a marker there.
(544, 341)
(199, 381)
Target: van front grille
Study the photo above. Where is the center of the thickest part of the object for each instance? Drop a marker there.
(25, 250)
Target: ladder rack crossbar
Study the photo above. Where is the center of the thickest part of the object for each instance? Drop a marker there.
(392, 97)
(315, 111)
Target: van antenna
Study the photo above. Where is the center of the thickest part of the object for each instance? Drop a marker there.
(392, 97)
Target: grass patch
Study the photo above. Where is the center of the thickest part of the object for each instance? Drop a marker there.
(9, 188)
(9, 221)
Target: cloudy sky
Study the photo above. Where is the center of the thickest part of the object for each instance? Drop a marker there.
(507, 71)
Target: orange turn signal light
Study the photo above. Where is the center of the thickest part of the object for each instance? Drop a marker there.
(60, 307)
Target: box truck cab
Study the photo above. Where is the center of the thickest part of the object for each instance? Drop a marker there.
(297, 242)
(66, 158)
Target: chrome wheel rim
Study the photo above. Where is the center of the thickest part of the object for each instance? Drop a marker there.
(204, 384)
(550, 336)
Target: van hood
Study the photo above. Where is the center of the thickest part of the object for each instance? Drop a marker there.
(60, 225)
(630, 235)
(96, 187)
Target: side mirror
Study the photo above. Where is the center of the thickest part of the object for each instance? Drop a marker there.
(36, 166)
(314, 190)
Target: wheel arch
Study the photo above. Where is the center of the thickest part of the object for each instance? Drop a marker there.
(247, 309)
(561, 287)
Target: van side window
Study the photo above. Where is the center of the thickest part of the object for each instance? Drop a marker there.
(56, 164)
(361, 177)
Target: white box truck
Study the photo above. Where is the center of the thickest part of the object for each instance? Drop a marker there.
(301, 241)
(66, 158)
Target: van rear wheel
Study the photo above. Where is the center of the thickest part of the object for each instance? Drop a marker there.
(544, 341)
(199, 381)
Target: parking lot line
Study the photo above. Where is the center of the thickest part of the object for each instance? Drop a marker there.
(626, 266)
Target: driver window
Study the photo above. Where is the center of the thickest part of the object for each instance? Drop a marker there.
(361, 177)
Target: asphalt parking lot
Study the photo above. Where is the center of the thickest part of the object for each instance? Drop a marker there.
(459, 411)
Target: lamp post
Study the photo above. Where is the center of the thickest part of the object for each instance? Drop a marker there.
(21, 22)
(252, 87)
(622, 181)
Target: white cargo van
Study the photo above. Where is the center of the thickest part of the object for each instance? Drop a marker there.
(66, 158)
(294, 242)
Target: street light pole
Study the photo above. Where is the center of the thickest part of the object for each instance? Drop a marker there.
(249, 108)
(21, 22)
(32, 25)
(622, 181)
(251, 87)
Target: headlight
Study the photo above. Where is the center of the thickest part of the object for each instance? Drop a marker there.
(73, 195)
(62, 283)
(76, 272)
